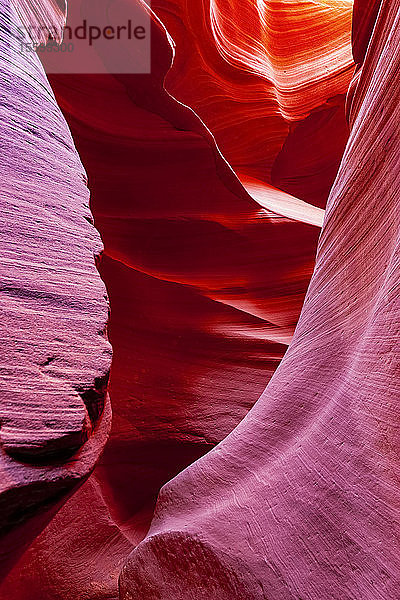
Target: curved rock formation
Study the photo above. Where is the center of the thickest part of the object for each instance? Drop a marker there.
(301, 499)
(206, 283)
(255, 71)
(205, 290)
(54, 355)
(210, 217)
(204, 293)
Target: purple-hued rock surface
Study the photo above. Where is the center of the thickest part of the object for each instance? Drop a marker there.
(54, 357)
(301, 500)
(208, 178)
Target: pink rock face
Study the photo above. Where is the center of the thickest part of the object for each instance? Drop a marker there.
(204, 295)
(206, 278)
(210, 217)
(54, 353)
(301, 499)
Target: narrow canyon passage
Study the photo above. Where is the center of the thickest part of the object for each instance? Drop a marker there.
(209, 178)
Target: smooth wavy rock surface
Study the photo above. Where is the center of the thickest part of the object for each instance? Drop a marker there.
(301, 500)
(204, 292)
(364, 17)
(206, 283)
(206, 274)
(54, 355)
(256, 71)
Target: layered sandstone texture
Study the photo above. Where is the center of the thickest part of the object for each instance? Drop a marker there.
(209, 178)
(55, 356)
(301, 500)
(206, 277)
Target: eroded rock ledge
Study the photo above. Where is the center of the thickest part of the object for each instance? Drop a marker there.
(55, 357)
